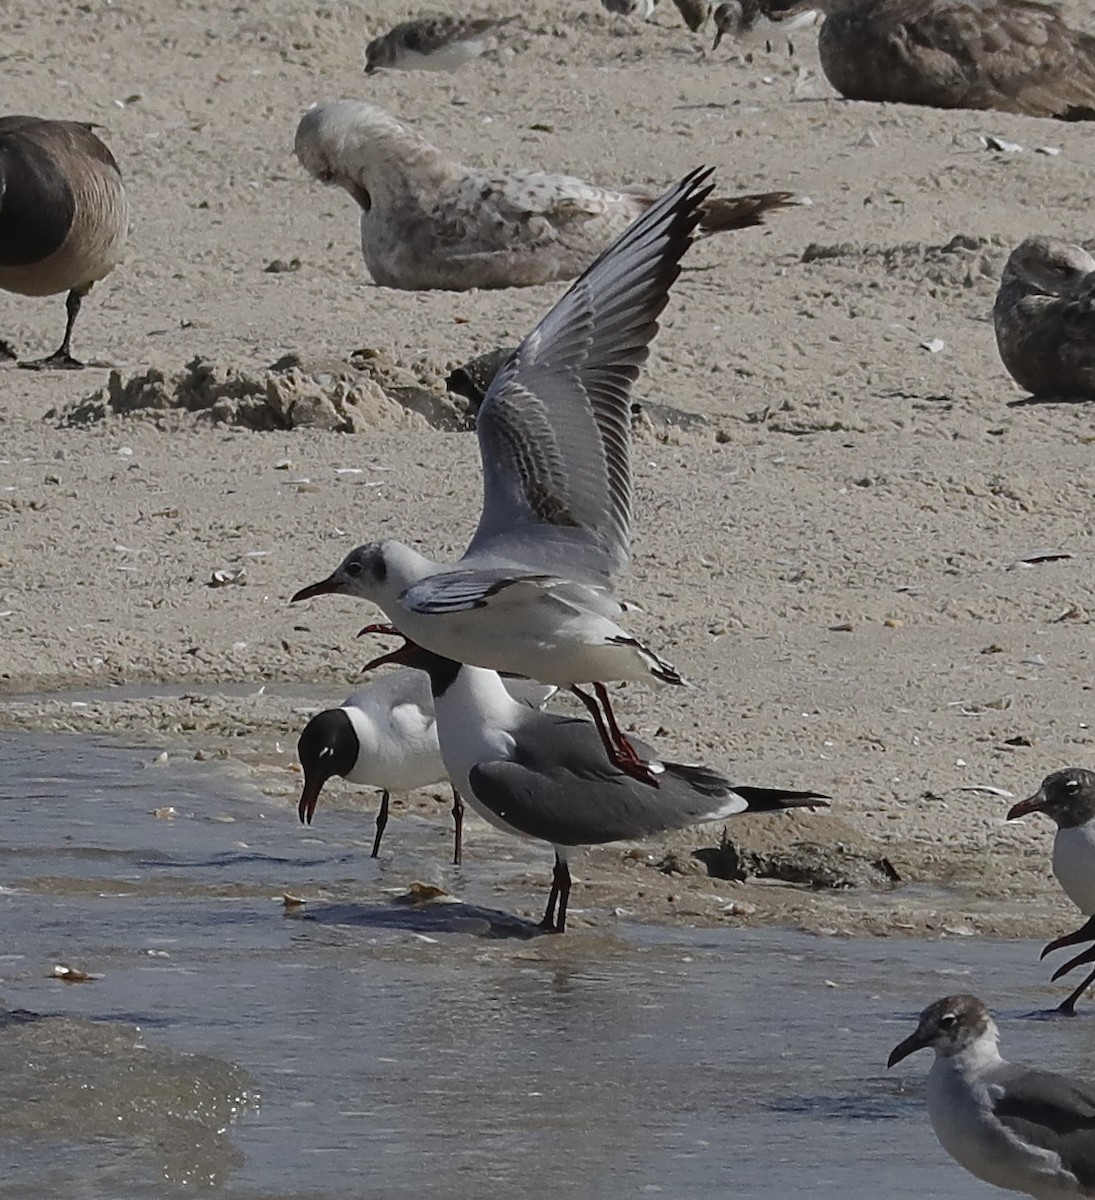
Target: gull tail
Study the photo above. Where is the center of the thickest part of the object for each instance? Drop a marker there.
(731, 799)
(761, 799)
(720, 214)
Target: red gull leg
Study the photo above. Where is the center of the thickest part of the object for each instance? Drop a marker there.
(621, 753)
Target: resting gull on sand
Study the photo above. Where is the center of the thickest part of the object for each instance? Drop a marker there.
(1016, 56)
(63, 216)
(1045, 318)
(428, 221)
(433, 43)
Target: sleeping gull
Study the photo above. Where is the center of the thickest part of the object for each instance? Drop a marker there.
(428, 221)
(1044, 317)
(63, 217)
(533, 593)
(1020, 1128)
(433, 43)
(384, 736)
(1068, 798)
(1016, 56)
(544, 776)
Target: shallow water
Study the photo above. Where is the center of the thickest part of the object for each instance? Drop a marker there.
(359, 1047)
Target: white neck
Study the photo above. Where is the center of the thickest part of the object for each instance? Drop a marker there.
(973, 1059)
(476, 721)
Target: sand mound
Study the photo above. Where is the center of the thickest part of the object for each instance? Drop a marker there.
(376, 394)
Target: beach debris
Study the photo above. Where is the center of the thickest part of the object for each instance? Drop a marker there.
(228, 576)
(67, 974)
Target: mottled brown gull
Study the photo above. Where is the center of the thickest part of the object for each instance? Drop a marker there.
(63, 216)
(428, 221)
(1044, 317)
(1016, 56)
(433, 43)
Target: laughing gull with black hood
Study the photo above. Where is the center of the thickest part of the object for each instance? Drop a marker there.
(544, 776)
(534, 592)
(1017, 1127)
(1068, 798)
(384, 736)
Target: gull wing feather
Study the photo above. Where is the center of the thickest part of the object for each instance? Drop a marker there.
(1053, 1112)
(554, 428)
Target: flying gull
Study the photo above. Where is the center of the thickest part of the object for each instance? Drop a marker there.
(1015, 56)
(1068, 798)
(440, 43)
(533, 594)
(1020, 1128)
(544, 776)
(428, 221)
(1044, 317)
(63, 217)
(384, 736)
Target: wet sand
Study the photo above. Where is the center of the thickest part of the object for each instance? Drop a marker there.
(836, 551)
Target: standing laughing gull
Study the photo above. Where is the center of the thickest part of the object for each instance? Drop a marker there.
(63, 217)
(1016, 56)
(1017, 1127)
(1044, 317)
(429, 221)
(544, 776)
(385, 736)
(533, 594)
(1068, 798)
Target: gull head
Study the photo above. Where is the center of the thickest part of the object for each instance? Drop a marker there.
(1049, 265)
(362, 573)
(1068, 797)
(949, 1027)
(360, 148)
(327, 746)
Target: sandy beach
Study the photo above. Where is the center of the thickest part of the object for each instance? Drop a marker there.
(871, 556)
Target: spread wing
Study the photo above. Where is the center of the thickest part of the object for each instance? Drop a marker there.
(554, 428)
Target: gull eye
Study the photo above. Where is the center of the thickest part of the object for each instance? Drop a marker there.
(1072, 785)
(353, 569)
(948, 1021)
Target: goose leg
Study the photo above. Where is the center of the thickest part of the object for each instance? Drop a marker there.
(61, 359)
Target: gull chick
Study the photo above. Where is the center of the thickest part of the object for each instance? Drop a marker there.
(1044, 318)
(433, 43)
(1020, 1128)
(534, 592)
(1015, 56)
(63, 217)
(428, 221)
(1068, 798)
(385, 736)
(544, 776)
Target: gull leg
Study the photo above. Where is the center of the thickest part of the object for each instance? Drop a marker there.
(559, 895)
(1086, 933)
(621, 753)
(381, 822)
(458, 828)
(1068, 1005)
(61, 359)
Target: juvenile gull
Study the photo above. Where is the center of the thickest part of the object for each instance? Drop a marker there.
(1068, 798)
(1016, 56)
(63, 217)
(428, 221)
(533, 593)
(544, 776)
(433, 43)
(1044, 317)
(385, 736)
(1020, 1128)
